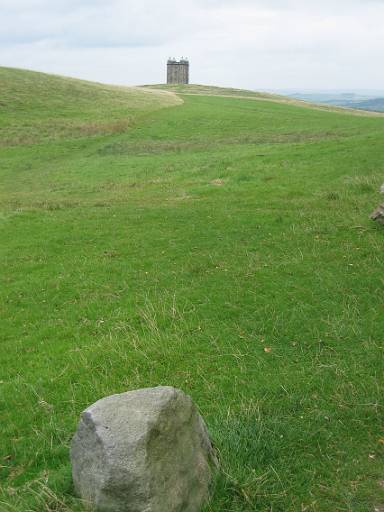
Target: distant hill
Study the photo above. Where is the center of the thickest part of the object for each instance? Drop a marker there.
(346, 100)
(375, 105)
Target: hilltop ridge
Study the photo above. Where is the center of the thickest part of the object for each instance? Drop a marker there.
(37, 106)
(229, 92)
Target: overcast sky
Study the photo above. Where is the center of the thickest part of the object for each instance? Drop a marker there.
(255, 44)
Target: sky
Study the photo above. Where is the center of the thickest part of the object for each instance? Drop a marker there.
(254, 44)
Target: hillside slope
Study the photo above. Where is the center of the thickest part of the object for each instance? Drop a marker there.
(223, 247)
(207, 90)
(35, 107)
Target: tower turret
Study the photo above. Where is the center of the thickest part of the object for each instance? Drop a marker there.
(178, 71)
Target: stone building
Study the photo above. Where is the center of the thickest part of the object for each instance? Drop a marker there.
(178, 71)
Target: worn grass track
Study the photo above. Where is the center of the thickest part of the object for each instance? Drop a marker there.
(222, 246)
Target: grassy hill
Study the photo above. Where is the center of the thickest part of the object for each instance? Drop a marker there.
(222, 246)
(207, 90)
(36, 107)
(312, 102)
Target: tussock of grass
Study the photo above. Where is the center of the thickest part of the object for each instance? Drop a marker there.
(222, 247)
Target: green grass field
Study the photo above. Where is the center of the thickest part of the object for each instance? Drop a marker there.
(220, 245)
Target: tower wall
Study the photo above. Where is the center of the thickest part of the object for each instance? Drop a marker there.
(177, 72)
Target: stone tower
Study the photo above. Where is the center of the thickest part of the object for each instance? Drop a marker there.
(178, 71)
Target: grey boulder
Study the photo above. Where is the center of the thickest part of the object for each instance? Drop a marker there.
(143, 451)
(378, 214)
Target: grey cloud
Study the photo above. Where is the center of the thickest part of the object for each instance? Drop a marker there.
(90, 23)
(288, 41)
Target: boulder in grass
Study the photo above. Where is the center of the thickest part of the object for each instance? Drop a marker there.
(378, 214)
(143, 451)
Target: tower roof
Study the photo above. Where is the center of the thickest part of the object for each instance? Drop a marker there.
(175, 61)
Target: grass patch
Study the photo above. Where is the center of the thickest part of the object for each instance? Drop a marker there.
(222, 247)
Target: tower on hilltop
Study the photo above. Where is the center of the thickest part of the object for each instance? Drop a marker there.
(178, 71)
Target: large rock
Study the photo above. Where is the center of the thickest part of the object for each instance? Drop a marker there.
(143, 451)
(378, 214)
